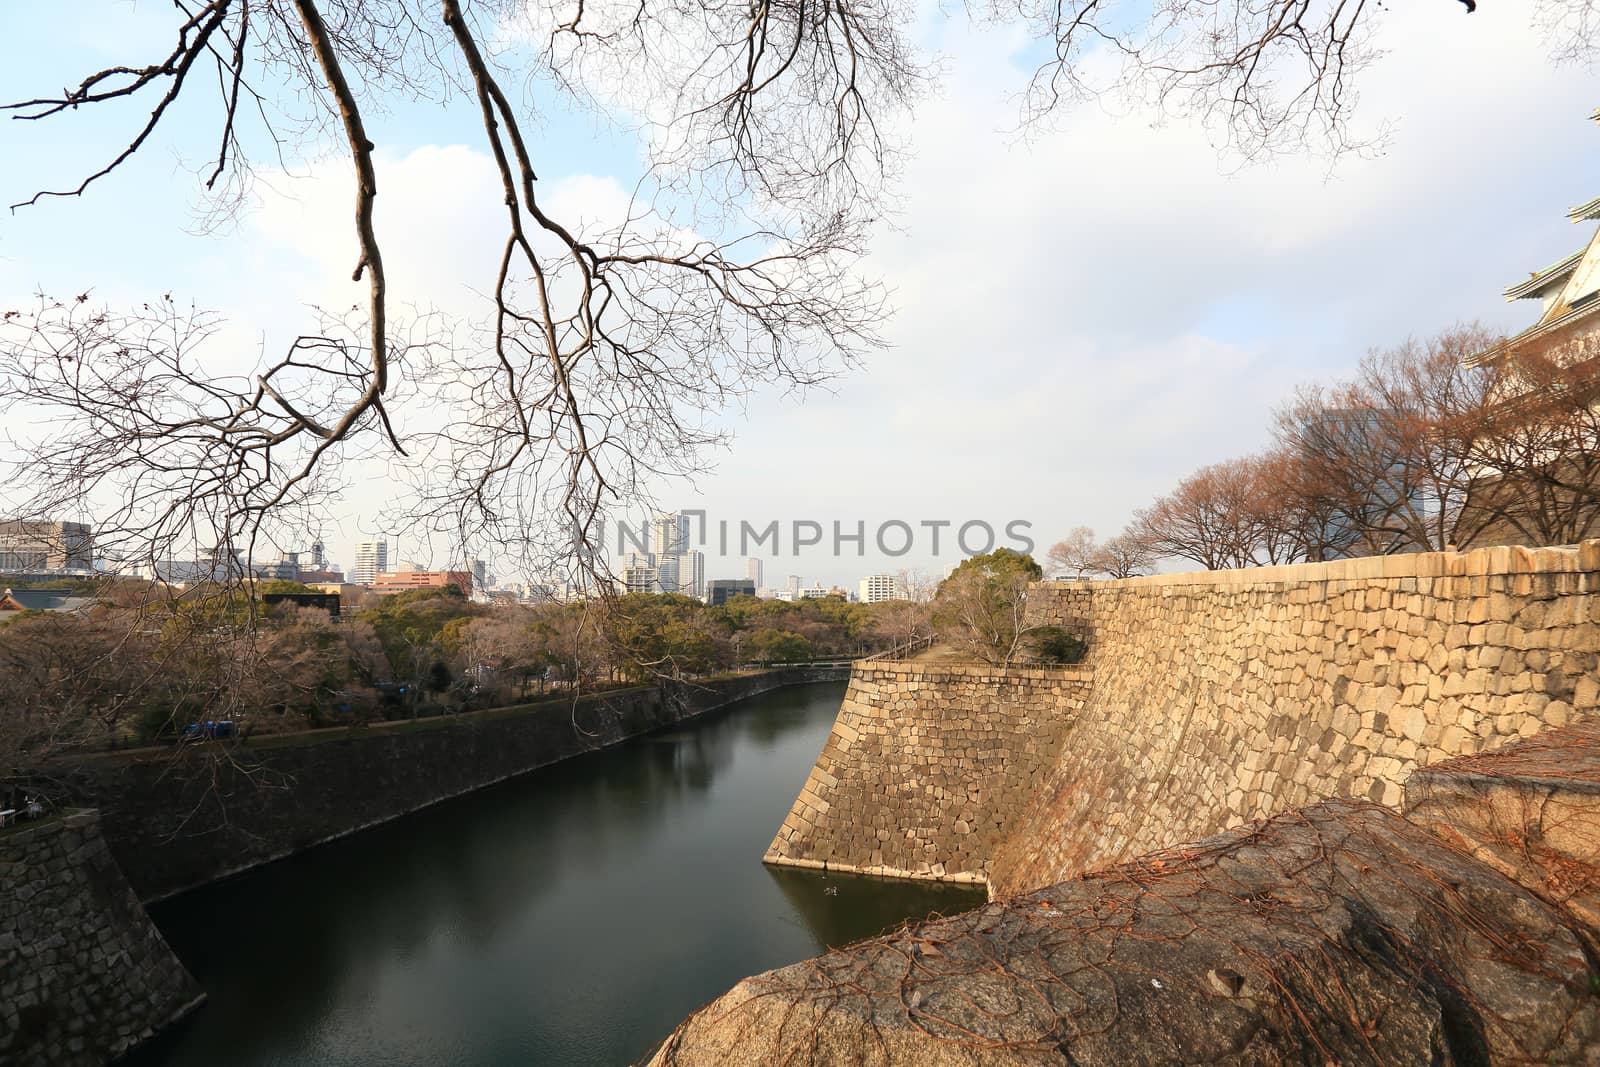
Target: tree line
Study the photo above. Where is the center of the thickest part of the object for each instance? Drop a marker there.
(1454, 440)
(140, 665)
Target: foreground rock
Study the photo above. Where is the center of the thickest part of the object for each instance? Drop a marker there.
(1340, 934)
(1530, 810)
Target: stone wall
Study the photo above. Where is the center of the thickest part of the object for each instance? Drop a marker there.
(927, 766)
(185, 816)
(1342, 933)
(1221, 697)
(84, 974)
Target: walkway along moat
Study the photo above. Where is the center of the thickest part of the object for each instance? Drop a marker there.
(573, 916)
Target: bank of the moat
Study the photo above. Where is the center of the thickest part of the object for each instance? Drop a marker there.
(570, 916)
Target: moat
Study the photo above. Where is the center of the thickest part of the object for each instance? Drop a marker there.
(573, 916)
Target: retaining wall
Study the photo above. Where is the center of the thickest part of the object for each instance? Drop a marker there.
(1221, 697)
(1206, 700)
(927, 767)
(180, 818)
(84, 974)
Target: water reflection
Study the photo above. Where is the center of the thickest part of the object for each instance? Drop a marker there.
(840, 908)
(572, 916)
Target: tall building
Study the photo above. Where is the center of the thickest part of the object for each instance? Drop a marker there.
(692, 574)
(666, 568)
(669, 534)
(45, 546)
(876, 588)
(752, 571)
(678, 568)
(683, 573)
(371, 557)
(792, 587)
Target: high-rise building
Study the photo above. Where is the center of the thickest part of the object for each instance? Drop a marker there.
(45, 546)
(752, 571)
(669, 534)
(371, 557)
(666, 568)
(876, 588)
(692, 574)
(678, 568)
(793, 587)
(683, 573)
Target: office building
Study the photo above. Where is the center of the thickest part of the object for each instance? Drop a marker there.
(720, 590)
(876, 588)
(752, 570)
(669, 535)
(45, 546)
(399, 581)
(371, 557)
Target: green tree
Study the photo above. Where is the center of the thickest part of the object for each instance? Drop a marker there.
(979, 607)
(665, 634)
(779, 646)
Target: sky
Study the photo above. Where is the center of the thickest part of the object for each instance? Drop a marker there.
(1081, 316)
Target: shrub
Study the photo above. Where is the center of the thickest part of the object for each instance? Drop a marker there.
(1052, 644)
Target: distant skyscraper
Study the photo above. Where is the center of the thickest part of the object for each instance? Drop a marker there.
(793, 587)
(480, 574)
(669, 534)
(371, 557)
(692, 574)
(752, 571)
(666, 568)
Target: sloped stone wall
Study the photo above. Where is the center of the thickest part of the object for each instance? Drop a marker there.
(927, 766)
(84, 974)
(1221, 697)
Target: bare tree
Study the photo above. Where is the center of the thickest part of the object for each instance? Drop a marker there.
(600, 348)
(1535, 444)
(919, 586)
(1263, 75)
(769, 137)
(1124, 556)
(1076, 553)
(1212, 518)
(1388, 455)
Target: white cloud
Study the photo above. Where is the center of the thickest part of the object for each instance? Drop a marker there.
(1087, 316)
(1083, 316)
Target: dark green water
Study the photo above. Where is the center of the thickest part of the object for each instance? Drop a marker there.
(571, 917)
